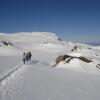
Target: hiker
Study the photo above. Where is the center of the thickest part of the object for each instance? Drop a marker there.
(29, 55)
(24, 57)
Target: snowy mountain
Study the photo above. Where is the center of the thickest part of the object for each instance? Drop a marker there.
(58, 70)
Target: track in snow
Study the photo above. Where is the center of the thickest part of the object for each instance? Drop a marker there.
(16, 69)
(10, 72)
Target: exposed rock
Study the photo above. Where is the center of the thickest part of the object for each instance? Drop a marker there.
(90, 48)
(59, 39)
(9, 43)
(98, 66)
(74, 48)
(5, 43)
(61, 58)
(68, 58)
(85, 59)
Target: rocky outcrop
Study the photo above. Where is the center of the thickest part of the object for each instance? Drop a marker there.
(6, 43)
(61, 58)
(98, 66)
(68, 58)
(85, 59)
(74, 48)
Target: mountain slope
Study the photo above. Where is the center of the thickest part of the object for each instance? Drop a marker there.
(38, 80)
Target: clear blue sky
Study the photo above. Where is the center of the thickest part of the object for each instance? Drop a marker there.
(77, 20)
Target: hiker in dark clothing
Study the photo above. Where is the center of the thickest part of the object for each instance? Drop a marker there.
(29, 55)
(24, 57)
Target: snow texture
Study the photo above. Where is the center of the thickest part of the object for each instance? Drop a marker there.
(38, 80)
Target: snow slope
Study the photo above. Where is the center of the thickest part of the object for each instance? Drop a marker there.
(38, 80)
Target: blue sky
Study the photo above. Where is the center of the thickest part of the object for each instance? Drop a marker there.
(77, 20)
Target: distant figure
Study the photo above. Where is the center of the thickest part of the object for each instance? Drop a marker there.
(24, 57)
(29, 56)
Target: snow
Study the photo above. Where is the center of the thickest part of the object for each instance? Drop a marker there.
(8, 51)
(38, 80)
(76, 54)
(97, 47)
